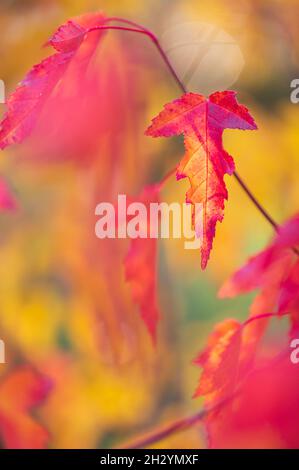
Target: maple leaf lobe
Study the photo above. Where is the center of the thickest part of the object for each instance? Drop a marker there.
(67, 37)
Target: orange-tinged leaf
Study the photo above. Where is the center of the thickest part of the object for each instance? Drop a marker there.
(220, 361)
(20, 392)
(228, 357)
(202, 122)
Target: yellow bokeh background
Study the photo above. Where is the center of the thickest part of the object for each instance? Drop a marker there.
(71, 315)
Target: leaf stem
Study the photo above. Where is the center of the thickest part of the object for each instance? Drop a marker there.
(167, 177)
(158, 46)
(255, 202)
(139, 29)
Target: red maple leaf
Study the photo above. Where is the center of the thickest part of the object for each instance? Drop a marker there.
(20, 392)
(202, 122)
(220, 361)
(141, 266)
(265, 414)
(28, 101)
(275, 272)
(228, 358)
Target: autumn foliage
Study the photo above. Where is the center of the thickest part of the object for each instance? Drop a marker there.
(249, 388)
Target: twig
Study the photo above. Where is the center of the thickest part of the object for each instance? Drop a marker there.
(167, 177)
(255, 202)
(176, 426)
(187, 422)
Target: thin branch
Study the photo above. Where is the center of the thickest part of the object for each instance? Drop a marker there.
(138, 29)
(170, 67)
(128, 22)
(167, 177)
(262, 316)
(189, 421)
(176, 426)
(255, 202)
(158, 46)
(260, 207)
(123, 28)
